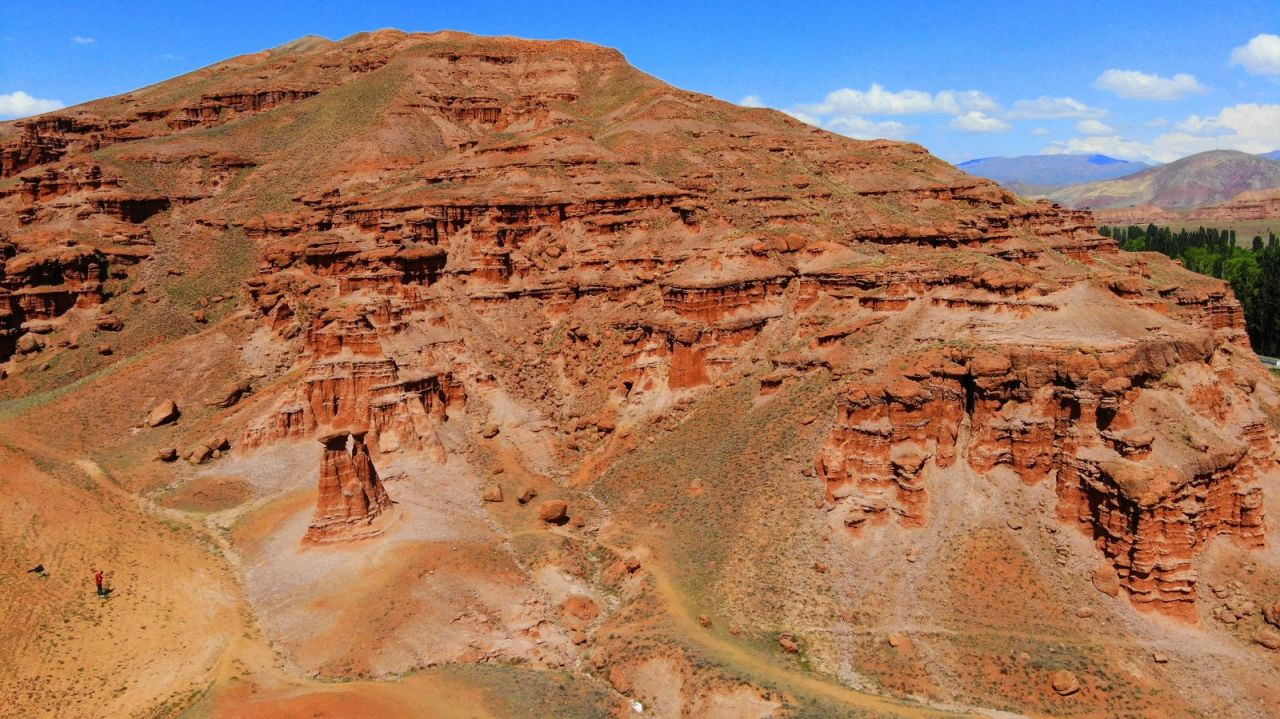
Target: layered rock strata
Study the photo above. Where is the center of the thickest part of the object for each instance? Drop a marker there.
(1150, 479)
(541, 229)
(350, 495)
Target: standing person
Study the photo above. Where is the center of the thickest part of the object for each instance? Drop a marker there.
(97, 579)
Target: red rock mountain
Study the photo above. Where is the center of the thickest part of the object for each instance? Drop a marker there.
(873, 421)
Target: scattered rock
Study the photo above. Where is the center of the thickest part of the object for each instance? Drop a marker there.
(1271, 613)
(163, 413)
(30, 344)
(1267, 637)
(228, 396)
(1084, 612)
(555, 511)
(578, 612)
(527, 495)
(218, 443)
(899, 641)
(788, 644)
(820, 568)
(104, 349)
(109, 324)
(1159, 658)
(1014, 523)
(198, 454)
(704, 621)
(493, 493)
(168, 454)
(1064, 682)
(490, 431)
(1106, 581)
(199, 316)
(632, 565)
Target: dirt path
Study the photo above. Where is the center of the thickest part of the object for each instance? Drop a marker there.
(736, 655)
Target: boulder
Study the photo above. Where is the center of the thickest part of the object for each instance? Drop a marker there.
(163, 413)
(788, 644)
(1271, 613)
(30, 344)
(1064, 682)
(218, 443)
(1268, 638)
(198, 454)
(1106, 581)
(169, 454)
(229, 395)
(555, 511)
(493, 493)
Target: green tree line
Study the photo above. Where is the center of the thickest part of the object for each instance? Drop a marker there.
(1254, 273)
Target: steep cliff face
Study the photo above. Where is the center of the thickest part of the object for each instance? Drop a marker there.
(1154, 448)
(351, 496)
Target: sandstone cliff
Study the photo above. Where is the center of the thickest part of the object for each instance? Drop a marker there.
(712, 330)
(351, 496)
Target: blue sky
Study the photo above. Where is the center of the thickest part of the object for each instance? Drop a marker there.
(1139, 80)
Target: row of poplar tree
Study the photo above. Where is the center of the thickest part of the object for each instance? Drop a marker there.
(1254, 272)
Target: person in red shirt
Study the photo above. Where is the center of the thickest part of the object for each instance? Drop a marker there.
(97, 579)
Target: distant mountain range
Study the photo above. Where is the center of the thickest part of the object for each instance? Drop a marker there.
(1200, 179)
(1273, 155)
(1042, 174)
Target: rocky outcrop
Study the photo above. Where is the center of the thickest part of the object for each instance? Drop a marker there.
(351, 497)
(431, 220)
(1151, 493)
(1248, 205)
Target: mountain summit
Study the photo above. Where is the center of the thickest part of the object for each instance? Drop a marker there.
(1038, 174)
(1200, 179)
(495, 376)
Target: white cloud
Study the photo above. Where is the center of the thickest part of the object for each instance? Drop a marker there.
(1052, 108)
(804, 117)
(1260, 56)
(751, 101)
(1248, 127)
(1094, 127)
(975, 121)
(1039, 131)
(1142, 86)
(879, 101)
(1111, 145)
(20, 104)
(863, 129)
(82, 40)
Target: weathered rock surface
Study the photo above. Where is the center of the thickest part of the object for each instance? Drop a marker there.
(163, 413)
(495, 253)
(351, 496)
(1064, 682)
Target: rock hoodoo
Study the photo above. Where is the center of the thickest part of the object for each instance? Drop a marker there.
(351, 496)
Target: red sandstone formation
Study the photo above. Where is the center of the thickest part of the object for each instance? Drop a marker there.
(496, 252)
(1150, 492)
(1248, 205)
(351, 496)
